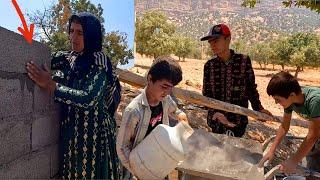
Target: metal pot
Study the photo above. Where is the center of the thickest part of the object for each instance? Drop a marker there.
(294, 178)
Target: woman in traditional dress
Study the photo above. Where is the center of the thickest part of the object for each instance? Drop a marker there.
(79, 81)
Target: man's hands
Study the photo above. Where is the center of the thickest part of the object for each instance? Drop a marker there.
(182, 117)
(268, 157)
(266, 112)
(221, 118)
(289, 166)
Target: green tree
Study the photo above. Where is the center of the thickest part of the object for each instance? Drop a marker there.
(303, 51)
(273, 58)
(262, 53)
(116, 47)
(282, 50)
(298, 59)
(196, 53)
(154, 34)
(299, 50)
(208, 51)
(313, 54)
(53, 21)
(184, 46)
(53, 25)
(313, 5)
(239, 46)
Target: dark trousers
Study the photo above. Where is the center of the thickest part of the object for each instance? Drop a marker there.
(313, 159)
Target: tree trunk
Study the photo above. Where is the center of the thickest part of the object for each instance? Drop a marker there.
(282, 66)
(272, 66)
(297, 71)
(260, 65)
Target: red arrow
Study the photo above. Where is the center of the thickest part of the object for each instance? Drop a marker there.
(25, 31)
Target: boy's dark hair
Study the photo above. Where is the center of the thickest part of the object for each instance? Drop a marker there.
(283, 84)
(167, 68)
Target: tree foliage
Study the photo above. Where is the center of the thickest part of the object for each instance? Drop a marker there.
(262, 53)
(299, 50)
(240, 46)
(116, 47)
(53, 25)
(184, 47)
(154, 34)
(303, 50)
(313, 5)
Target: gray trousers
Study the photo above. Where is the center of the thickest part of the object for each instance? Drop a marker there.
(313, 159)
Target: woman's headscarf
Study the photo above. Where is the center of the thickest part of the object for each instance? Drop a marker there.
(92, 35)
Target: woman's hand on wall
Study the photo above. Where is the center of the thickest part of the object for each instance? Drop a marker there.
(41, 76)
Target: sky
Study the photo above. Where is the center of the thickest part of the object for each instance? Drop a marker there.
(118, 15)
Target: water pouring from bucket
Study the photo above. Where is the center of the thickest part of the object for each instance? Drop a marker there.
(217, 156)
(161, 151)
(167, 148)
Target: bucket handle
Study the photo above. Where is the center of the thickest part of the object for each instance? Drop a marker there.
(272, 172)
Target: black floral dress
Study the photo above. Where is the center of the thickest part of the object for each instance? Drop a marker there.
(88, 132)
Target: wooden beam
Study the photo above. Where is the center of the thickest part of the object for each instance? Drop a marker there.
(196, 98)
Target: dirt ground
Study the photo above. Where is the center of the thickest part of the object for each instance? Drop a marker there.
(192, 80)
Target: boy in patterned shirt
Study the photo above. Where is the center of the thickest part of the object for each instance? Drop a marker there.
(229, 77)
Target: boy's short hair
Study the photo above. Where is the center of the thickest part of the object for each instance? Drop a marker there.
(283, 84)
(165, 67)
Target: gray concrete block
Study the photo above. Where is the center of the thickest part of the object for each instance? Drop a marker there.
(15, 98)
(44, 103)
(15, 52)
(54, 163)
(45, 130)
(15, 84)
(29, 125)
(31, 166)
(14, 138)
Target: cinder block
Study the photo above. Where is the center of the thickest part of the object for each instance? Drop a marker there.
(15, 52)
(28, 116)
(43, 102)
(18, 93)
(14, 138)
(45, 130)
(16, 99)
(31, 166)
(21, 96)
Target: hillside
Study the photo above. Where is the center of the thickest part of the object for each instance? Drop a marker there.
(265, 22)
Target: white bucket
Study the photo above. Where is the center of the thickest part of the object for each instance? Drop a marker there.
(161, 151)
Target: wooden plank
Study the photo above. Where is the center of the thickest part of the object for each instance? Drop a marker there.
(196, 98)
(195, 175)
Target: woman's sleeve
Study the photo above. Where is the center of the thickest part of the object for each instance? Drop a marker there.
(88, 95)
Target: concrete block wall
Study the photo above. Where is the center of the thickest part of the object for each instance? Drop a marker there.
(29, 124)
